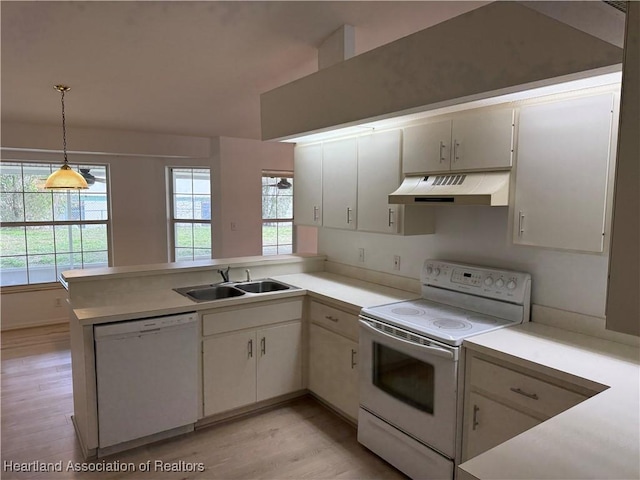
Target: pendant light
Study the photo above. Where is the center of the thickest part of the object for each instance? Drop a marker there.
(65, 178)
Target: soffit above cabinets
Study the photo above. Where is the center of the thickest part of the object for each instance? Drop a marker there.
(503, 47)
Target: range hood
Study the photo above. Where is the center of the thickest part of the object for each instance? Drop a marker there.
(477, 188)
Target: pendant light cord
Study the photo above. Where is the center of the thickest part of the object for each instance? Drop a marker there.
(64, 130)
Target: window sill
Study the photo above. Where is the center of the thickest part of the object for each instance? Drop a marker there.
(30, 288)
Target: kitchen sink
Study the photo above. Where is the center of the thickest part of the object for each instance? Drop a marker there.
(207, 293)
(263, 286)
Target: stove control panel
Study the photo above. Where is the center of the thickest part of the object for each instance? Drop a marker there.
(486, 282)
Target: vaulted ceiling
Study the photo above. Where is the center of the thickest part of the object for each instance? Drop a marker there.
(182, 67)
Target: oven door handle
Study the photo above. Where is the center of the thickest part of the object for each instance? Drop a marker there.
(432, 349)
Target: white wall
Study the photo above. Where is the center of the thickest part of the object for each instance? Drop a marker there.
(564, 280)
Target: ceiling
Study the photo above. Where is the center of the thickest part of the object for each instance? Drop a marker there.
(190, 68)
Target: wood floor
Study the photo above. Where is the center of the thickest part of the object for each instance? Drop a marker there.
(300, 440)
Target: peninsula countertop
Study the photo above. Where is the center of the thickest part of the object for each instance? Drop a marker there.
(596, 439)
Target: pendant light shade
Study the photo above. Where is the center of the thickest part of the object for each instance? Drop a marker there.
(65, 178)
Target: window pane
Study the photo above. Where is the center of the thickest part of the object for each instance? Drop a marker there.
(202, 181)
(95, 259)
(183, 254)
(12, 241)
(182, 207)
(68, 238)
(269, 234)
(66, 205)
(93, 206)
(10, 177)
(34, 176)
(13, 271)
(285, 249)
(11, 207)
(269, 250)
(201, 253)
(68, 261)
(94, 238)
(38, 207)
(285, 231)
(202, 236)
(42, 268)
(184, 235)
(40, 240)
(182, 180)
(269, 207)
(285, 207)
(201, 207)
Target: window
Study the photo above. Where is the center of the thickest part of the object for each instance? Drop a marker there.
(44, 232)
(277, 213)
(191, 213)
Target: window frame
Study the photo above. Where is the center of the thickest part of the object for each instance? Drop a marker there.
(54, 165)
(172, 214)
(276, 174)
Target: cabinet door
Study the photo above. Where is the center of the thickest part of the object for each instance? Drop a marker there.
(339, 183)
(229, 371)
(279, 360)
(562, 170)
(488, 423)
(378, 176)
(307, 194)
(482, 140)
(333, 371)
(427, 148)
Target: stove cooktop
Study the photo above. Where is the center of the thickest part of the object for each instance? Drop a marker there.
(436, 320)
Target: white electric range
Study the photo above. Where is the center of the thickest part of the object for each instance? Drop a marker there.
(409, 361)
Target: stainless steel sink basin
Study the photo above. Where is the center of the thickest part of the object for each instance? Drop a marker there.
(263, 286)
(207, 293)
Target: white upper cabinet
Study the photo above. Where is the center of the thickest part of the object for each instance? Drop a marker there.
(307, 194)
(481, 140)
(378, 176)
(562, 173)
(339, 183)
(427, 148)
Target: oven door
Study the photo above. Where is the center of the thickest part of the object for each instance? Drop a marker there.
(410, 383)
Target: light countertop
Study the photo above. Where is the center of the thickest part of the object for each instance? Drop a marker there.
(598, 438)
(344, 291)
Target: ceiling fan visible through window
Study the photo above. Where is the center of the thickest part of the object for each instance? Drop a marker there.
(90, 178)
(283, 184)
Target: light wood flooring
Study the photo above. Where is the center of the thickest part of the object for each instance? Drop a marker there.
(298, 440)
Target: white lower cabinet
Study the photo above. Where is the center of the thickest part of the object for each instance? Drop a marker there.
(333, 357)
(503, 400)
(251, 364)
(333, 372)
(491, 423)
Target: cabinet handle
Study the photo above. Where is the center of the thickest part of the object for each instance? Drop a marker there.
(333, 319)
(442, 159)
(263, 345)
(315, 213)
(353, 359)
(349, 215)
(520, 223)
(456, 157)
(526, 394)
(476, 409)
(391, 222)
(250, 348)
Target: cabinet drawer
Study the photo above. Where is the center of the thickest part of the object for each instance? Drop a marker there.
(520, 389)
(250, 317)
(335, 319)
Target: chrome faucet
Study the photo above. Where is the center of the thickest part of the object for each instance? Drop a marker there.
(248, 275)
(224, 273)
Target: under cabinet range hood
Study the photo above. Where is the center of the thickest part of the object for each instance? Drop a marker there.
(477, 188)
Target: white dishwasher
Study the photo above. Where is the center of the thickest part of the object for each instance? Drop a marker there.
(147, 377)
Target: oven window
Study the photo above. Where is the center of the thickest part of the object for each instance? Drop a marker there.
(403, 377)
